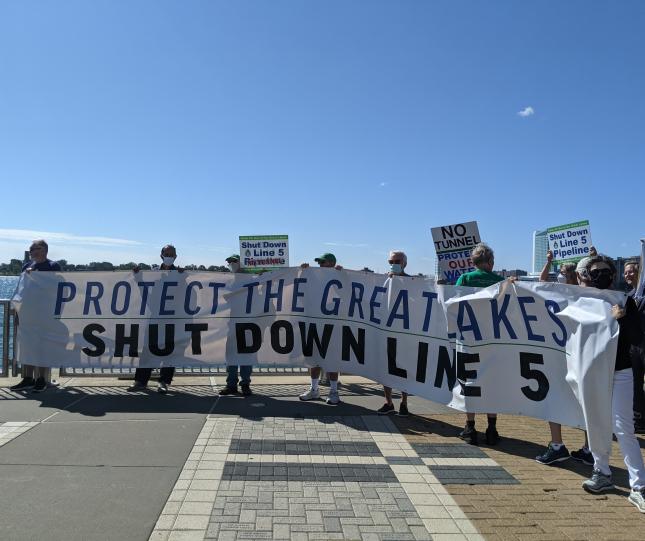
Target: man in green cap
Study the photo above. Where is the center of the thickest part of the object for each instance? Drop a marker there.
(233, 262)
(327, 261)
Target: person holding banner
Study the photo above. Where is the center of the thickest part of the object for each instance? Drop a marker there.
(557, 451)
(483, 258)
(631, 275)
(325, 261)
(166, 373)
(37, 378)
(599, 272)
(397, 260)
(232, 370)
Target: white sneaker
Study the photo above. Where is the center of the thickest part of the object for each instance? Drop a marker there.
(162, 388)
(637, 497)
(333, 398)
(311, 394)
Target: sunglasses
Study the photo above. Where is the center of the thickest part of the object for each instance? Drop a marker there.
(394, 261)
(597, 273)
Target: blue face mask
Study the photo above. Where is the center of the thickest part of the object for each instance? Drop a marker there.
(396, 268)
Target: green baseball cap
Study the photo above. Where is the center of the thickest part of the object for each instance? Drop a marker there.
(326, 258)
(233, 257)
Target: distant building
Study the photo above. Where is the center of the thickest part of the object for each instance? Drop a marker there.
(540, 247)
(514, 272)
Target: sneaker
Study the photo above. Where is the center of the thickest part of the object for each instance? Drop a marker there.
(26, 383)
(246, 390)
(333, 398)
(162, 388)
(311, 394)
(403, 410)
(553, 455)
(583, 455)
(637, 497)
(386, 409)
(40, 386)
(228, 390)
(492, 436)
(137, 386)
(598, 482)
(469, 434)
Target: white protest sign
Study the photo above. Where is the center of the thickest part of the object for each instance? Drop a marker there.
(264, 252)
(453, 244)
(512, 346)
(569, 242)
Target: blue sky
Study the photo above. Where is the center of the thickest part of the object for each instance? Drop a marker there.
(352, 126)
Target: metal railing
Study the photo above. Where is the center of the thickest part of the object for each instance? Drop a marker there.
(10, 326)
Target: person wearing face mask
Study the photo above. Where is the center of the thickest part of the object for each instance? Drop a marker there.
(37, 378)
(325, 261)
(631, 275)
(397, 260)
(235, 374)
(166, 373)
(557, 451)
(599, 272)
(483, 258)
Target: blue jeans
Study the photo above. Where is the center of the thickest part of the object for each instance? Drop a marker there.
(245, 375)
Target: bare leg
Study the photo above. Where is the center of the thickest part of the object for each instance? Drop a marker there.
(315, 372)
(387, 391)
(404, 398)
(556, 432)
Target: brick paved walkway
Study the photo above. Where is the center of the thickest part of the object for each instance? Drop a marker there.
(547, 503)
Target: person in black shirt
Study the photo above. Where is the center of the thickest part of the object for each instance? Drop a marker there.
(166, 373)
(637, 352)
(37, 377)
(601, 272)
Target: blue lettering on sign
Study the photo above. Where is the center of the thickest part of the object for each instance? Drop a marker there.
(401, 299)
(249, 295)
(188, 297)
(216, 287)
(499, 316)
(91, 298)
(166, 297)
(144, 295)
(60, 298)
(296, 294)
(268, 295)
(426, 320)
(464, 307)
(552, 308)
(115, 296)
(325, 295)
(528, 318)
(374, 304)
(356, 300)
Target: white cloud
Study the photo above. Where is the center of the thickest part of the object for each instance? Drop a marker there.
(527, 111)
(26, 235)
(383, 184)
(345, 244)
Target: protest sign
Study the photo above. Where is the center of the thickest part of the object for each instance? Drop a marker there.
(507, 348)
(640, 289)
(453, 244)
(570, 242)
(264, 252)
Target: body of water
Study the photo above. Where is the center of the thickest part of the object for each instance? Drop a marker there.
(7, 286)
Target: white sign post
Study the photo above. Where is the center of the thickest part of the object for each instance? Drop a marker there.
(570, 242)
(264, 252)
(453, 244)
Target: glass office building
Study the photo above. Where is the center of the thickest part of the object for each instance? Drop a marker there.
(540, 247)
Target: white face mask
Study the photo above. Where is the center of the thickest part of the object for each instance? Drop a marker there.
(234, 266)
(168, 261)
(561, 278)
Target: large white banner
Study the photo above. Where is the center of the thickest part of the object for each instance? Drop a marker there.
(509, 348)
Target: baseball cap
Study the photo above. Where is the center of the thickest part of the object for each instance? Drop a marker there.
(233, 257)
(329, 258)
